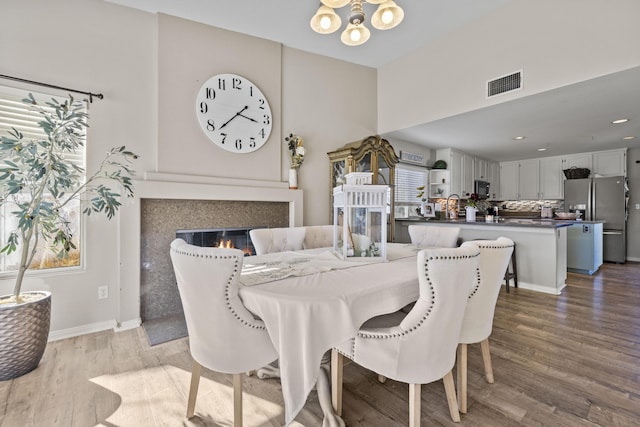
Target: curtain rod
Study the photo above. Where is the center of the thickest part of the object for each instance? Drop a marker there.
(91, 94)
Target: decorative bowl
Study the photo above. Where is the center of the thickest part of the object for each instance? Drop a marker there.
(566, 215)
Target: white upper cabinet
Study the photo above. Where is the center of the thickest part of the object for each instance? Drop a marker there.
(529, 179)
(509, 177)
(494, 180)
(481, 169)
(610, 162)
(551, 178)
(460, 166)
(582, 160)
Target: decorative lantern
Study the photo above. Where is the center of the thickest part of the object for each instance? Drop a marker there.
(360, 218)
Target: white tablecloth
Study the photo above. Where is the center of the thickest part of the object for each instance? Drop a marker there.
(307, 315)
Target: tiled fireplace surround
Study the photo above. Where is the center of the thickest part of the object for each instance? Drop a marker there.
(167, 202)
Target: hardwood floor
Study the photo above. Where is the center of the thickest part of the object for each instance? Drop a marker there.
(571, 360)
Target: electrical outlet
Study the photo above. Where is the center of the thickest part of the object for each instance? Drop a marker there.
(103, 292)
(637, 205)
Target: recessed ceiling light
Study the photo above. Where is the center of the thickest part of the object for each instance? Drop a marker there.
(618, 121)
(542, 149)
(519, 138)
(629, 137)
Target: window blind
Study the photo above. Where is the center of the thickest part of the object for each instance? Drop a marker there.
(16, 114)
(407, 180)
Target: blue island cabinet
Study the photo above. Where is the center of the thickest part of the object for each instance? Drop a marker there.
(584, 248)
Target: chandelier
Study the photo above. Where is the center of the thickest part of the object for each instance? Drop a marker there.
(326, 20)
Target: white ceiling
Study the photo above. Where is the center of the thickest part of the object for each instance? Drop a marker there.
(571, 119)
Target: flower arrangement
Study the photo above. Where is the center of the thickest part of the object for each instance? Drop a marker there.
(473, 200)
(296, 150)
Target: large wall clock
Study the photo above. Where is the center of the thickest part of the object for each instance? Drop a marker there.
(234, 113)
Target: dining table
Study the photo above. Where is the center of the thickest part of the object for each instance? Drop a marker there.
(312, 300)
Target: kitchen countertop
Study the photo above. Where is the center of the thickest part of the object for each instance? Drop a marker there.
(504, 222)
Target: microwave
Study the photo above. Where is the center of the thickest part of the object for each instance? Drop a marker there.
(481, 188)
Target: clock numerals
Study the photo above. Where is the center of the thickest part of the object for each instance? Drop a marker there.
(234, 113)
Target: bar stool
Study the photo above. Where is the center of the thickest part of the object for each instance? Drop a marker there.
(513, 272)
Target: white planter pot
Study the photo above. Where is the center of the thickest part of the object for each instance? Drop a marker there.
(471, 214)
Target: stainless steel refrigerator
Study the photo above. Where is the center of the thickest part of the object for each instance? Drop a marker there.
(602, 199)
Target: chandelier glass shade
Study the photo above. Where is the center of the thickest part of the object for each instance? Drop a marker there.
(326, 21)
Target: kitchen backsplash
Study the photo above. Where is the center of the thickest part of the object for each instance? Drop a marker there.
(505, 207)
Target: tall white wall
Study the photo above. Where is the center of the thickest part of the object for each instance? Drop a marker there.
(149, 68)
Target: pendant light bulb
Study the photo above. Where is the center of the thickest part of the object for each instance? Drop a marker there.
(334, 4)
(387, 16)
(355, 35)
(325, 21)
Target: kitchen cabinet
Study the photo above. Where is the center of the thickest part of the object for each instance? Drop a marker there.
(460, 166)
(610, 162)
(481, 169)
(494, 179)
(439, 182)
(551, 178)
(532, 179)
(529, 179)
(372, 154)
(509, 177)
(582, 160)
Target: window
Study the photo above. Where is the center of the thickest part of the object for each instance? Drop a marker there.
(16, 114)
(408, 179)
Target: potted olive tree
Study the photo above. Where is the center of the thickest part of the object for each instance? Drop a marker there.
(38, 182)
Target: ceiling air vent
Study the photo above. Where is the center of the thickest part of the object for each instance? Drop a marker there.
(504, 84)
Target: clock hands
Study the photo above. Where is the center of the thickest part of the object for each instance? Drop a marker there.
(239, 113)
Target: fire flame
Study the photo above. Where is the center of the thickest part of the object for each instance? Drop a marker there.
(226, 244)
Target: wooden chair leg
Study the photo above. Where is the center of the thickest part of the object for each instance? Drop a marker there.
(486, 358)
(237, 400)
(462, 377)
(337, 366)
(382, 379)
(414, 405)
(450, 390)
(196, 370)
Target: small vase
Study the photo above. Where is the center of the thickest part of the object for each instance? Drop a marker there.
(471, 213)
(293, 179)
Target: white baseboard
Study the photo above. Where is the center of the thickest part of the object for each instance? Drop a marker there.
(82, 330)
(633, 259)
(94, 327)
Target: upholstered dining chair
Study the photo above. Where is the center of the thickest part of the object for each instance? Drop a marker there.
(268, 240)
(318, 236)
(418, 347)
(223, 335)
(430, 236)
(478, 316)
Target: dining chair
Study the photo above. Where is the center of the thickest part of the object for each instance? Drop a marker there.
(318, 236)
(430, 236)
(418, 347)
(478, 315)
(223, 335)
(268, 240)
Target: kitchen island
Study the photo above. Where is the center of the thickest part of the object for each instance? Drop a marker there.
(541, 246)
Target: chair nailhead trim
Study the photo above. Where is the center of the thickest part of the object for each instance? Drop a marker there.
(429, 309)
(228, 285)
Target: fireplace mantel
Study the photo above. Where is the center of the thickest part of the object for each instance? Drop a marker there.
(187, 187)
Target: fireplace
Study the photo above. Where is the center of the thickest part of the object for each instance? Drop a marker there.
(237, 237)
(165, 203)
